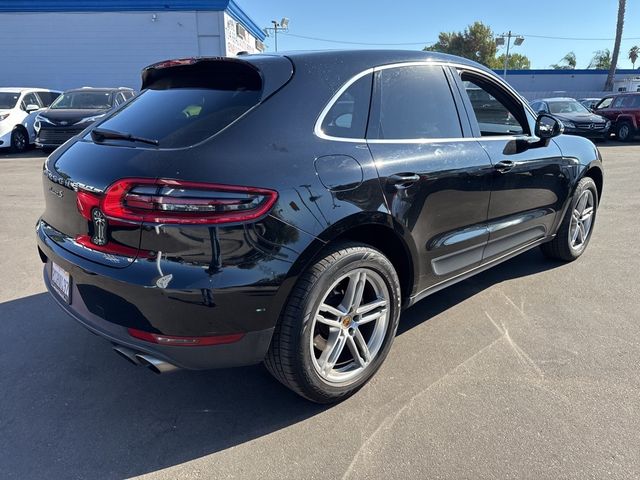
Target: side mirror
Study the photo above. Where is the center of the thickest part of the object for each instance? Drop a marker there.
(32, 108)
(548, 127)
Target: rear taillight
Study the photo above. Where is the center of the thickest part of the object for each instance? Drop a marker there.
(174, 201)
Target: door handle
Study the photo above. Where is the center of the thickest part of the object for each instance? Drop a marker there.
(403, 180)
(504, 166)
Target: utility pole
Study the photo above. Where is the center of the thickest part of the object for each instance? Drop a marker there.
(282, 25)
(500, 41)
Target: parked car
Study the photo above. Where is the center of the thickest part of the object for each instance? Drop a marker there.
(623, 110)
(589, 103)
(17, 112)
(576, 118)
(241, 210)
(75, 110)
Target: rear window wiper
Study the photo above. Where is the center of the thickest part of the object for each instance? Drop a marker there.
(102, 134)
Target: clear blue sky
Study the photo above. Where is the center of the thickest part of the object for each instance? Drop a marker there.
(420, 21)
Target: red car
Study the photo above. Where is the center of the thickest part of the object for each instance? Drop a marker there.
(624, 112)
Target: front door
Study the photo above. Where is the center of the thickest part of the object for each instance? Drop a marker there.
(530, 182)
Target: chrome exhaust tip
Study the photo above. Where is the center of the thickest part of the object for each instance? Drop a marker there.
(126, 353)
(155, 364)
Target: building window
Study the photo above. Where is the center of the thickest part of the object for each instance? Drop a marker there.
(240, 31)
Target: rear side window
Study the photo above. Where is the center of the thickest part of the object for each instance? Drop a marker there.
(47, 98)
(413, 102)
(347, 118)
(184, 105)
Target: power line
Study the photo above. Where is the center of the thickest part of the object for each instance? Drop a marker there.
(355, 43)
(430, 42)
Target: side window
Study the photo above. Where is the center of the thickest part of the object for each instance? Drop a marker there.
(496, 111)
(29, 99)
(604, 103)
(347, 117)
(618, 103)
(47, 98)
(120, 98)
(413, 102)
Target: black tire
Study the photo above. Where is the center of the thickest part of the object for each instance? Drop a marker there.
(560, 248)
(19, 140)
(624, 132)
(289, 358)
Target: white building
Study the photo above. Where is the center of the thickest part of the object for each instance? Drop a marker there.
(63, 44)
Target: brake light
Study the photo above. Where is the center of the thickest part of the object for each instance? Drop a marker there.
(184, 341)
(86, 202)
(174, 201)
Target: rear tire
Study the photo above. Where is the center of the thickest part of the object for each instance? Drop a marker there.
(338, 325)
(577, 225)
(624, 132)
(19, 140)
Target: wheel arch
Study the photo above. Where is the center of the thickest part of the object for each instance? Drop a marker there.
(595, 173)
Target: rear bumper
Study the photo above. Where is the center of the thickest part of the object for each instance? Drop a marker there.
(109, 300)
(249, 350)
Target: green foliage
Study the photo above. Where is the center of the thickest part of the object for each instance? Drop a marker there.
(516, 62)
(601, 60)
(476, 43)
(568, 62)
(634, 52)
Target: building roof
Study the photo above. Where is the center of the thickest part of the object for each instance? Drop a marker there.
(567, 71)
(230, 6)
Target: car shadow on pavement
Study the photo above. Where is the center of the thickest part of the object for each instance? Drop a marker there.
(71, 408)
(528, 263)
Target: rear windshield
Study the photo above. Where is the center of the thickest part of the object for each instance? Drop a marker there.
(9, 99)
(83, 101)
(181, 117)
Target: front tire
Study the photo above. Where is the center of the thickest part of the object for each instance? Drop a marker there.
(576, 228)
(338, 325)
(19, 140)
(624, 132)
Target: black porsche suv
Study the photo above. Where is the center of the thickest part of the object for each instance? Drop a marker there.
(286, 208)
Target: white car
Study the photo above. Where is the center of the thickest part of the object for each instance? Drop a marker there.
(17, 114)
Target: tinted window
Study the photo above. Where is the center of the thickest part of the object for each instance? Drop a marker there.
(9, 99)
(84, 100)
(29, 99)
(180, 117)
(567, 106)
(347, 118)
(496, 112)
(47, 98)
(413, 102)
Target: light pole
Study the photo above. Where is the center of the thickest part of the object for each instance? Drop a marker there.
(282, 26)
(500, 41)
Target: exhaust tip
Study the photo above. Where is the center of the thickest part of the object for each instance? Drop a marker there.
(128, 354)
(155, 364)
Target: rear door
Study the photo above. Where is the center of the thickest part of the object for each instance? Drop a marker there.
(435, 177)
(529, 185)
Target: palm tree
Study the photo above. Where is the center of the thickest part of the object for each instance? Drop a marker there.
(622, 5)
(568, 62)
(633, 55)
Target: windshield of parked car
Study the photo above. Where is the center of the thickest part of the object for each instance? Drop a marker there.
(181, 117)
(83, 100)
(566, 106)
(9, 99)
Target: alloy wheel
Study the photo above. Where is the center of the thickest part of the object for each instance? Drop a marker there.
(19, 141)
(581, 220)
(349, 326)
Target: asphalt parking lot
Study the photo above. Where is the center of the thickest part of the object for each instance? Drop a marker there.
(529, 370)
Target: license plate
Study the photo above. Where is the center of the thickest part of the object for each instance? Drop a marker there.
(61, 281)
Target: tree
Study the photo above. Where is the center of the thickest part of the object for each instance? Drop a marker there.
(633, 55)
(601, 60)
(608, 86)
(568, 62)
(516, 62)
(476, 42)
